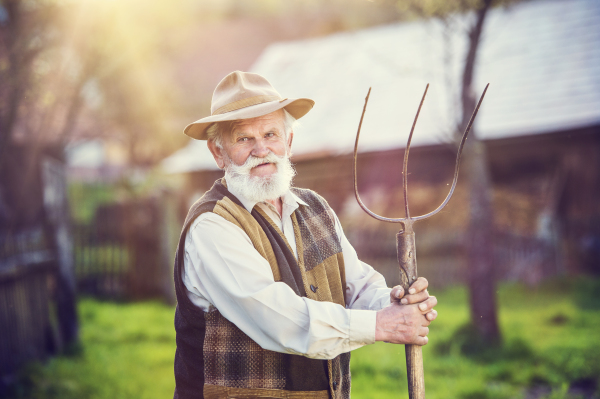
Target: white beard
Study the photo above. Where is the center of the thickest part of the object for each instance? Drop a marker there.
(260, 188)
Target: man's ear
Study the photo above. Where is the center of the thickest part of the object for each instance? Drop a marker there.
(289, 143)
(217, 153)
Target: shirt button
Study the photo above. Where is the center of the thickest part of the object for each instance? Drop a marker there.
(334, 385)
(313, 288)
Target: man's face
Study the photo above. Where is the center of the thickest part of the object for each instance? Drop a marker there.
(257, 137)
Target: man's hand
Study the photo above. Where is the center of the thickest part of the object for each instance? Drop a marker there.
(412, 322)
(417, 292)
(405, 324)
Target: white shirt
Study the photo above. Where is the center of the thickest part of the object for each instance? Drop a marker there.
(222, 269)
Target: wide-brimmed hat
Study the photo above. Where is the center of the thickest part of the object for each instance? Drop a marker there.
(244, 95)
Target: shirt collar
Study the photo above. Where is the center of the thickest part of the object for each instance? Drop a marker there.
(289, 199)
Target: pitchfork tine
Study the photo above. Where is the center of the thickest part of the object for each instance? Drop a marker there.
(460, 148)
(362, 205)
(405, 164)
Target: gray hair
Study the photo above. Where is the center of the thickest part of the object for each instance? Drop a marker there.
(216, 131)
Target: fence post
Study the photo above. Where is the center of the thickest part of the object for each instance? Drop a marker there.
(169, 230)
(56, 209)
(149, 238)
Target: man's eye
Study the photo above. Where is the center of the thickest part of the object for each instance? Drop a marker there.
(270, 134)
(242, 139)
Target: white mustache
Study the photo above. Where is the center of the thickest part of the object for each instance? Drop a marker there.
(259, 188)
(253, 162)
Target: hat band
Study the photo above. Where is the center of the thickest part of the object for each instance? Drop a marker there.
(245, 102)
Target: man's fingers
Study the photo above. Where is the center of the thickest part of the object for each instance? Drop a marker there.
(431, 316)
(415, 298)
(396, 293)
(423, 331)
(419, 285)
(427, 304)
(421, 341)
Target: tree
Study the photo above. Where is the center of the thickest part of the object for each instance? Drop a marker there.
(39, 101)
(479, 235)
(135, 101)
(33, 112)
(81, 70)
(480, 229)
(65, 73)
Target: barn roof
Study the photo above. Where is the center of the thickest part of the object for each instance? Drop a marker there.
(541, 58)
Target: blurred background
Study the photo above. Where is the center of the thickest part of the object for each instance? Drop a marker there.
(96, 178)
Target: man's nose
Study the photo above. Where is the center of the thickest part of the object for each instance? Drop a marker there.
(260, 149)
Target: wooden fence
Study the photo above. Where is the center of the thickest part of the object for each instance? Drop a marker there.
(101, 263)
(37, 299)
(126, 252)
(28, 333)
(29, 323)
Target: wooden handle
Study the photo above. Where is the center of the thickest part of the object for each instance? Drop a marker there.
(407, 256)
(407, 260)
(414, 369)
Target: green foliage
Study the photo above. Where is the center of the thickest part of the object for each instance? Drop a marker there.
(550, 349)
(85, 198)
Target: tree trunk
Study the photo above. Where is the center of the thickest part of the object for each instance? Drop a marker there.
(479, 245)
(479, 237)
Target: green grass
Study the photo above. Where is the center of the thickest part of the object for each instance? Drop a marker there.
(550, 340)
(126, 352)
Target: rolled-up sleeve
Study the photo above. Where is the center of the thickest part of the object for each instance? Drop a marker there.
(223, 270)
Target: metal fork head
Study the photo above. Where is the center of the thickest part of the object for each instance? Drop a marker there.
(408, 220)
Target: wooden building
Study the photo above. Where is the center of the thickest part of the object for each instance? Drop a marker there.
(540, 123)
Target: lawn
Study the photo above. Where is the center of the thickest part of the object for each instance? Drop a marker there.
(550, 333)
(551, 348)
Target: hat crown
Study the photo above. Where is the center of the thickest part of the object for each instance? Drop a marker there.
(241, 89)
(244, 95)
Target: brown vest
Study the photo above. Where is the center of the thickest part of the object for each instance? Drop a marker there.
(214, 358)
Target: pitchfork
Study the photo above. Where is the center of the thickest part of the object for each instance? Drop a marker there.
(405, 240)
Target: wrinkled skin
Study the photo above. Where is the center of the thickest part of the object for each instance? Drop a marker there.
(406, 319)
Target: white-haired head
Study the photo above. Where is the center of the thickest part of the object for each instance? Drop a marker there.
(217, 130)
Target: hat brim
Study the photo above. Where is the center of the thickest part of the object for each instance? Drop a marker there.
(297, 107)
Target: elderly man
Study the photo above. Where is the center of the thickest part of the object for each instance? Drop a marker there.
(271, 295)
